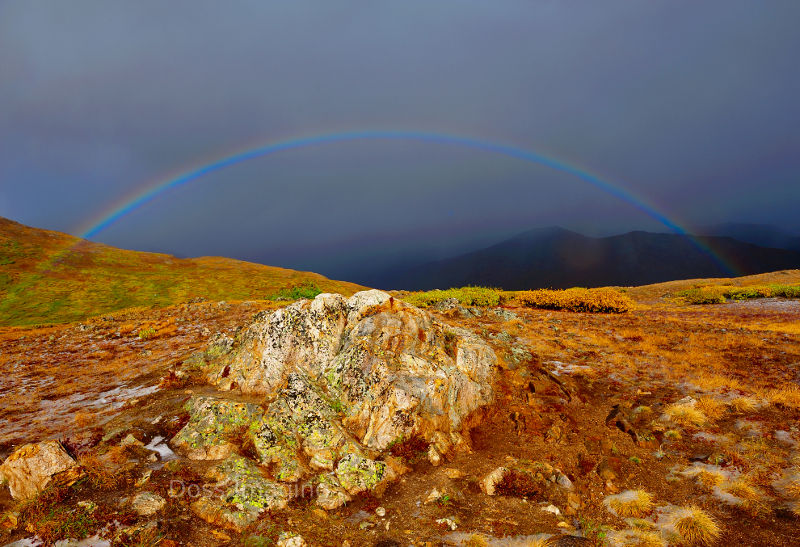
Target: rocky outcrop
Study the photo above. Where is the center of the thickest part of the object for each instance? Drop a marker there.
(242, 492)
(31, 468)
(340, 381)
(214, 425)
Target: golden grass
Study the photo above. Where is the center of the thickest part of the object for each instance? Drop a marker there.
(788, 396)
(793, 485)
(713, 408)
(643, 538)
(630, 503)
(697, 527)
(743, 404)
(744, 489)
(602, 300)
(709, 478)
(686, 415)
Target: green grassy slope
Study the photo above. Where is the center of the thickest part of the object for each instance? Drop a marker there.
(51, 277)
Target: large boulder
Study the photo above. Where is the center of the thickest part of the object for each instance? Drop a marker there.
(31, 468)
(341, 381)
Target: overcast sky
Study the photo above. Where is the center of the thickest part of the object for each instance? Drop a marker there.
(691, 106)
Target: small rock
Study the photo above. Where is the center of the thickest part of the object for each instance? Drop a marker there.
(130, 440)
(605, 471)
(32, 467)
(449, 522)
(552, 509)
(490, 481)
(433, 496)
(380, 511)
(146, 504)
(89, 505)
(564, 482)
(453, 473)
(288, 539)
(433, 456)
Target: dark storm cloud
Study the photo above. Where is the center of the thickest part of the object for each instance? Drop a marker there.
(691, 105)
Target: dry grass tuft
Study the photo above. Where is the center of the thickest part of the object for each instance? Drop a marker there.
(743, 404)
(793, 485)
(788, 396)
(713, 408)
(630, 503)
(686, 415)
(744, 489)
(709, 479)
(642, 538)
(697, 527)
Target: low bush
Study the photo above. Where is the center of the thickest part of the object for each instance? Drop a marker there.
(468, 296)
(719, 294)
(603, 300)
(305, 290)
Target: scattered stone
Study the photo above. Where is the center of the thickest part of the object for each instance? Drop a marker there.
(552, 509)
(490, 481)
(605, 470)
(433, 496)
(380, 511)
(130, 440)
(146, 504)
(88, 505)
(287, 539)
(433, 456)
(453, 473)
(449, 522)
(32, 467)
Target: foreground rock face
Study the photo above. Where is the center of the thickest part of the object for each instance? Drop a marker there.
(341, 381)
(31, 468)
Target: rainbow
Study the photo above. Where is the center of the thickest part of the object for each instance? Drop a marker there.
(153, 190)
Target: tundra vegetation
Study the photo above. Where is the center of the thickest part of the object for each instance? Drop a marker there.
(477, 419)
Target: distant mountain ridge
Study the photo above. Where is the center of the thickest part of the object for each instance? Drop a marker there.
(762, 235)
(558, 258)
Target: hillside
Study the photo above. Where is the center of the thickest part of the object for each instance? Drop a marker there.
(559, 258)
(51, 277)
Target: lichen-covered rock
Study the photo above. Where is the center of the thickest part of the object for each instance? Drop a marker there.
(242, 493)
(32, 467)
(357, 474)
(330, 493)
(146, 504)
(342, 381)
(215, 427)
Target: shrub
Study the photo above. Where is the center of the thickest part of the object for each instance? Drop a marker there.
(468, 296)
(702, 295)
(719, 294)
(603, 300)
(304, 290)
(147, 333)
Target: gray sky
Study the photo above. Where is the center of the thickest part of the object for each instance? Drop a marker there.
(692, 106)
